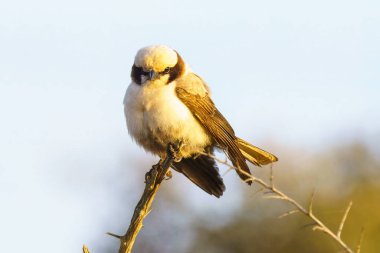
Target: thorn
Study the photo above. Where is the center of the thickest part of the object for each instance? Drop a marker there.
(311, 202)
(273, 197)
(287, 214)
(317, 227)
(309, 225)
(271, 178)
(114, 235)
(168, 175)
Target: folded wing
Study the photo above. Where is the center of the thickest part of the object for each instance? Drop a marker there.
(189, 91)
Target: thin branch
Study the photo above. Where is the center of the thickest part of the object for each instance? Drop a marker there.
(318, 224)
(358, 248)
(155, 176)
(343, 220)
(311, 202)
(312, 225)
(85, 249)
(271, 177)
(258, 191)
(288, 213)
(274, 197)
(153, 180)
(226, 172)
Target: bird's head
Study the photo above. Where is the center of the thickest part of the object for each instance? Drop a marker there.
(157, 62)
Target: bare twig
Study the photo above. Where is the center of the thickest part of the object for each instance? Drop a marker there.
(358, 248)
(153, 180)
(343, 220)
(155, 176)
(271, 177)
(85, 249)
(258, 191)
(225, 173)
(288, 213)
(311, 202)
(318, 224)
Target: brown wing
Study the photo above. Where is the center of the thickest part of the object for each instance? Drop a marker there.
(213, 121)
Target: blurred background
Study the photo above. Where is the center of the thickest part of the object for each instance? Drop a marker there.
(299, 79)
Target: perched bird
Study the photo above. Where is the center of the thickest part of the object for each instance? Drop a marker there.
(167, 103)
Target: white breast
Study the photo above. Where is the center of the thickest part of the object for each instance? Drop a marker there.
(155, 116)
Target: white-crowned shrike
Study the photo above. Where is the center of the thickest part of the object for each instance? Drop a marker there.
(167, 103)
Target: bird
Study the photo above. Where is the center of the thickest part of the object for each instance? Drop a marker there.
(166, 102)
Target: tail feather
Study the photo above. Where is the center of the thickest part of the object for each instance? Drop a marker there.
(254, 154)
(203, 171)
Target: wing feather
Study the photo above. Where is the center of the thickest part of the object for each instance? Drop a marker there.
(203, 108)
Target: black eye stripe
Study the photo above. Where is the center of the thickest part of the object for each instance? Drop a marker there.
(173, 72)
(136, 74)
(140, 71)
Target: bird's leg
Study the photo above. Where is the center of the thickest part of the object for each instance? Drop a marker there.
(176, 150)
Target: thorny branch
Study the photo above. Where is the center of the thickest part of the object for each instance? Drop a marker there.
(155, 176)
(153, 180)
(317, 223)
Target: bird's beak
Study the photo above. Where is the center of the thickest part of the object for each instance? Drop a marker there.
(152, 75)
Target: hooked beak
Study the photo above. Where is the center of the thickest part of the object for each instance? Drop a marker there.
(152, 75)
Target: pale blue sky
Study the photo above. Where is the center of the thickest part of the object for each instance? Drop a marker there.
(297, 73)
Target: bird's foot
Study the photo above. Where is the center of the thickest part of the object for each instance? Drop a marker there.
(152, 172)
(175, 150)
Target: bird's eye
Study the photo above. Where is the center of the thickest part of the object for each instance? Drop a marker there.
(167, 70)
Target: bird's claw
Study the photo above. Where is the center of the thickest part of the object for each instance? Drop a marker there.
(175, 150)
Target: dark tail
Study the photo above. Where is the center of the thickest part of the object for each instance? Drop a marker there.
(202, 171)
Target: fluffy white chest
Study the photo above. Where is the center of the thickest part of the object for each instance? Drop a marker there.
(155, 116)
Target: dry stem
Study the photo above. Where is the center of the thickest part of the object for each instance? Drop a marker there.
(155, 176)
(317, 223)
(153, 180)
(343, 220)
(85, 249)
(358, 247)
